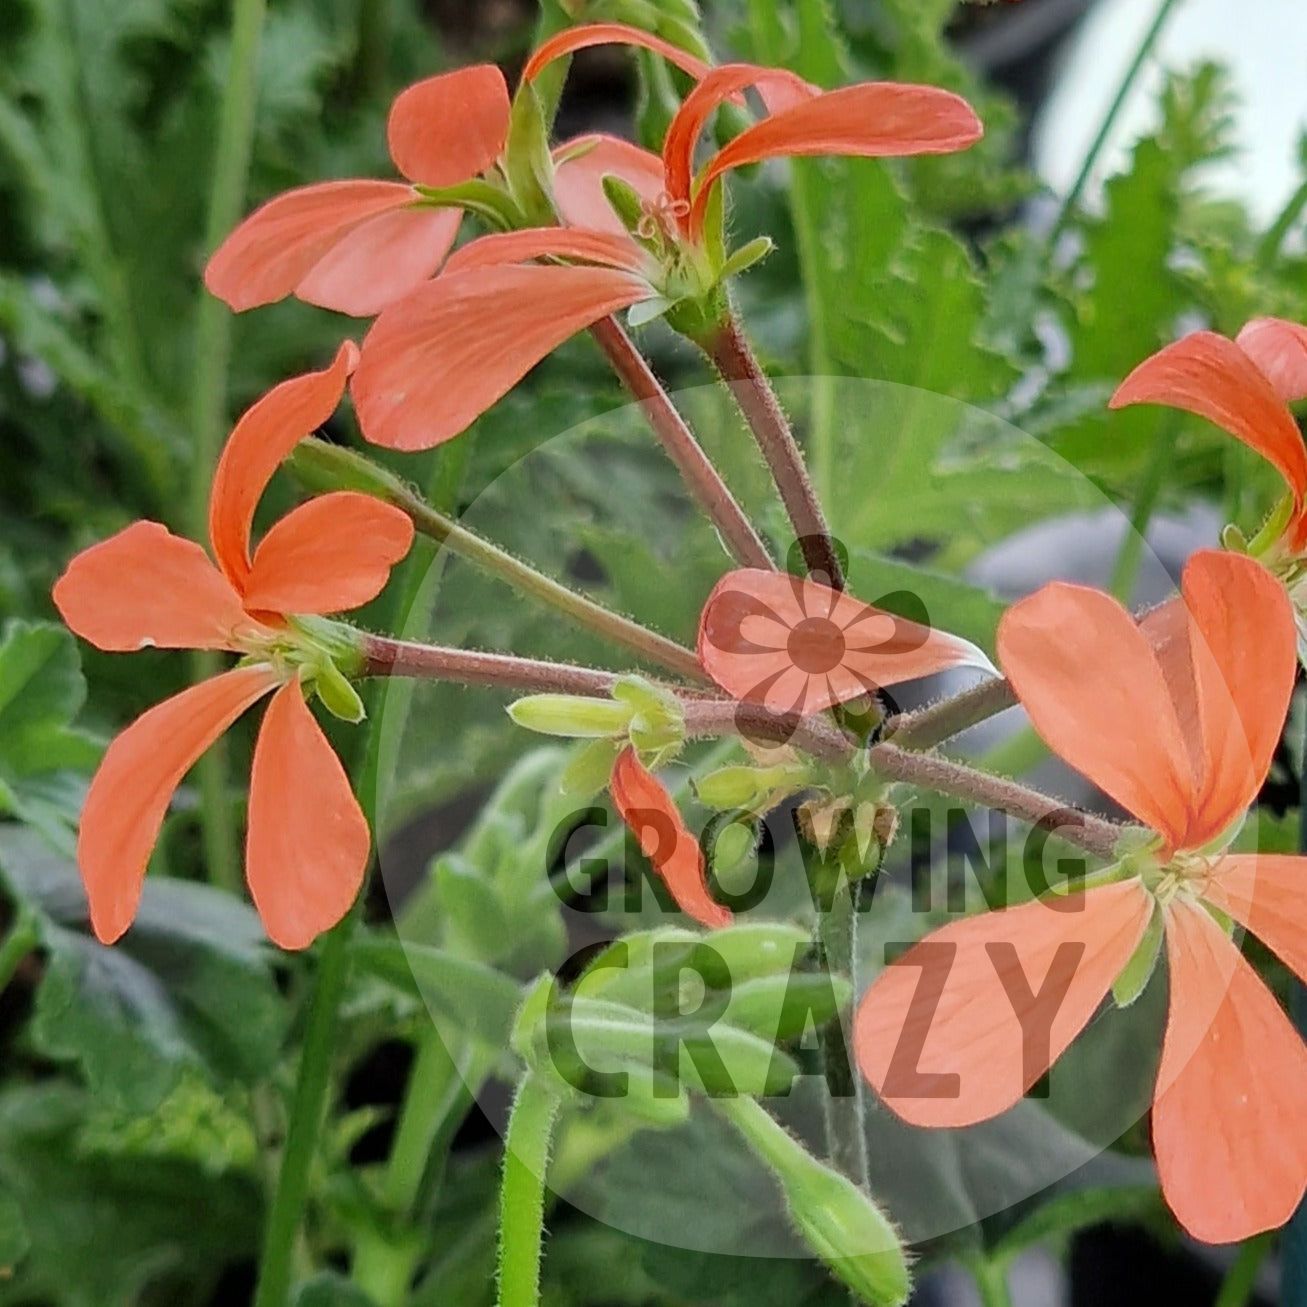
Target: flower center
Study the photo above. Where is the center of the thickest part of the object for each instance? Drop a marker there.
(816, 645)
(659, 217)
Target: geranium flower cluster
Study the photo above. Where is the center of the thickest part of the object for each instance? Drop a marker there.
(1175, 716)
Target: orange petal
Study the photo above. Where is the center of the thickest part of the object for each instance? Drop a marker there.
(130, 792)
(1208, 375)
(873, 119)
(580, 168)
(1265, 894)
(1087, 676)
(278, 246)
(845, 647)
(572, 39)
(307, 845)
(264, 436)
(381, 260)
(509, 247)
(450, 128)
(654, 819)
(1227, 1119)
(1279, 349)
(329, 555)
(146, 586)
(778, 87)
(959, 1028)
(435, 361)
(1243, 650)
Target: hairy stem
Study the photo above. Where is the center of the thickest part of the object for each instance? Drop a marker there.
(212, 345)
(701, 477)
(308, 1108)
(384, 656)
(1094, 834)
(734, 359)
(926, 727)
(522, 1192)
(837, 952)
(325, 466)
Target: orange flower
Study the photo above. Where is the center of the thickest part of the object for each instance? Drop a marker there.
(1176, 719)
(871, 119)
(654, 819)
(307, 843)
(795, 646)
(437, 359)
(1244, 386)
(355, 246)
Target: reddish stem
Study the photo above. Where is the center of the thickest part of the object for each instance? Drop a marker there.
(701, 477)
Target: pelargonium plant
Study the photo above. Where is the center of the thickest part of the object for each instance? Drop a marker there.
(499, 245)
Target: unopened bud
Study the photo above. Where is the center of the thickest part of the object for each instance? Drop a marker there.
(837, 1220)
(571, 715)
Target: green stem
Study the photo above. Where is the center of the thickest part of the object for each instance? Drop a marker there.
(732, 356)
(308, 1108)
(991, 1281)
(321, 466)
(1241, 1279)
(1276, 234)
(384, 1267)
(805, 192)
(23, 937)
(1126, 569)
(370, 55)
(843, 1104)
(522, 1193)
(212, 344)
(1146, 47)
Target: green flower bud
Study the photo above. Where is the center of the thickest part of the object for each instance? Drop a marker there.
(1134, 978)
(733, 845)
(338, 696)
(571, 715)
(752, 789)
(837, 1220)
(590, 769)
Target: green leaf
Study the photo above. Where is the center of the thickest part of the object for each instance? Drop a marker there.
(476, 998)
(14, 1239)
(190, 987)
(113, 1228)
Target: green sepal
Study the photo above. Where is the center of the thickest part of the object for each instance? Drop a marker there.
(484, 198)
(590, 768)
(657, 724)
(643, 312)
(1233, 539)
(337, 695)
(531, 1014)
(528, 164)
(1273, 528)
(1136, 973)
(573, 716)
(624, 200)
(745, 257)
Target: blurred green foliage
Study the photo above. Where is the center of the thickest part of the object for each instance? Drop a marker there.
(144, 1087)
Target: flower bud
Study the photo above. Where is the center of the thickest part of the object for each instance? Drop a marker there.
(571, 715)
(753, 789)
(837, 1220)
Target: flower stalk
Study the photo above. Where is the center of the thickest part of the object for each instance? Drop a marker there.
(704, 481)
(324, 466)
(733, 357)
(522, 1193)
